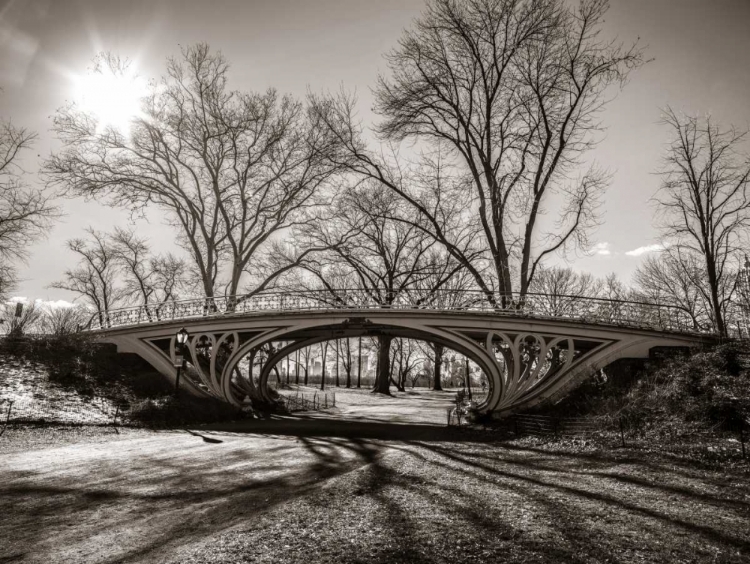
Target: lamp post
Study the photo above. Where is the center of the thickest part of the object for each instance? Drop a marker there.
(203, 346)
(182, 339)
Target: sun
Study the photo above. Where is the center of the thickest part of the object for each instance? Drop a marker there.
(112, 95)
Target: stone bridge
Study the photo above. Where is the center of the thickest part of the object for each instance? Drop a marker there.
(531, 350)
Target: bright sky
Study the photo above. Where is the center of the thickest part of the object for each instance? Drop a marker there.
(702, 64)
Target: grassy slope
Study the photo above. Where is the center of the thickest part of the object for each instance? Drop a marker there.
(74, 380)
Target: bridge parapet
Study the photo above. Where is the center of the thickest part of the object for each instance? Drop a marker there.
(594, 311)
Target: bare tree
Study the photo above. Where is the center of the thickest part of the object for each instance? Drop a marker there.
(132, 254)
(25, 213)
(346, 360)
(704, 202)
(559, 289)
(16, 325)
(564, 281)
(433, 355)
(63, 320)
(168, 273)
(676, 279)
(408, 359)
(232, 170)
(513, 91)
(147, 279)
(95, 277)
(375, 249)
(306, 355)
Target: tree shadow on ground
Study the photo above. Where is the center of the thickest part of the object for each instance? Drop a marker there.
(173, 496)
(155, 500)
(653, 501)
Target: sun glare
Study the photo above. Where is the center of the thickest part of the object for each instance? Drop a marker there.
(113, 98)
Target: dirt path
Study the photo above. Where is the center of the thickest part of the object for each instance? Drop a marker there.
(360, 488)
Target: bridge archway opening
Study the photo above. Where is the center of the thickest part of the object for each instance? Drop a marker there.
(459, 350)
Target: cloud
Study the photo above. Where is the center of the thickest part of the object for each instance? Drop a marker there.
(54, 304)
(51, 304)
(647, 249)
(602, 249)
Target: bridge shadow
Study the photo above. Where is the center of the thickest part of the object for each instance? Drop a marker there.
(351, 427)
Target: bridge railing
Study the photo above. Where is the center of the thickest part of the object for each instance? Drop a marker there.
(578, 308)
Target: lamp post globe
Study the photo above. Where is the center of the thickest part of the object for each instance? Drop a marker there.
(182, 339)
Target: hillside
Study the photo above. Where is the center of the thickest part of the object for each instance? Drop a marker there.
(74, 380)
(708, 389)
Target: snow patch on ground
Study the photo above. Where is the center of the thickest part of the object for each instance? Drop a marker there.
(26, 394)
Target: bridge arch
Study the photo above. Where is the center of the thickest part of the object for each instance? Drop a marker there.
(453, 340)
(529, 354)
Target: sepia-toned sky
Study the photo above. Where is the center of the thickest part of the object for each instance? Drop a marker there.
(702, 65)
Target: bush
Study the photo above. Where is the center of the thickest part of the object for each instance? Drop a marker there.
(169, 411)
(707, 389)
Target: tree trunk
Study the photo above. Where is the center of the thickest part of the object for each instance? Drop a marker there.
(348, 363)
(713, 282)
(468, 376)
(392, 371)
(401, 382)
(359, 364)
(382, 380)
(338, 361)
(377, 368)
(436, 384)
(324, 348)
(307, 364)
(296, 367)
(252, 363)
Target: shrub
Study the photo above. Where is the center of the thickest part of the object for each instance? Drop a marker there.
(710, 388)
(169, 411)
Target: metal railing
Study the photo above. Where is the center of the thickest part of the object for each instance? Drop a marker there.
(315, 401)
(577, 308)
